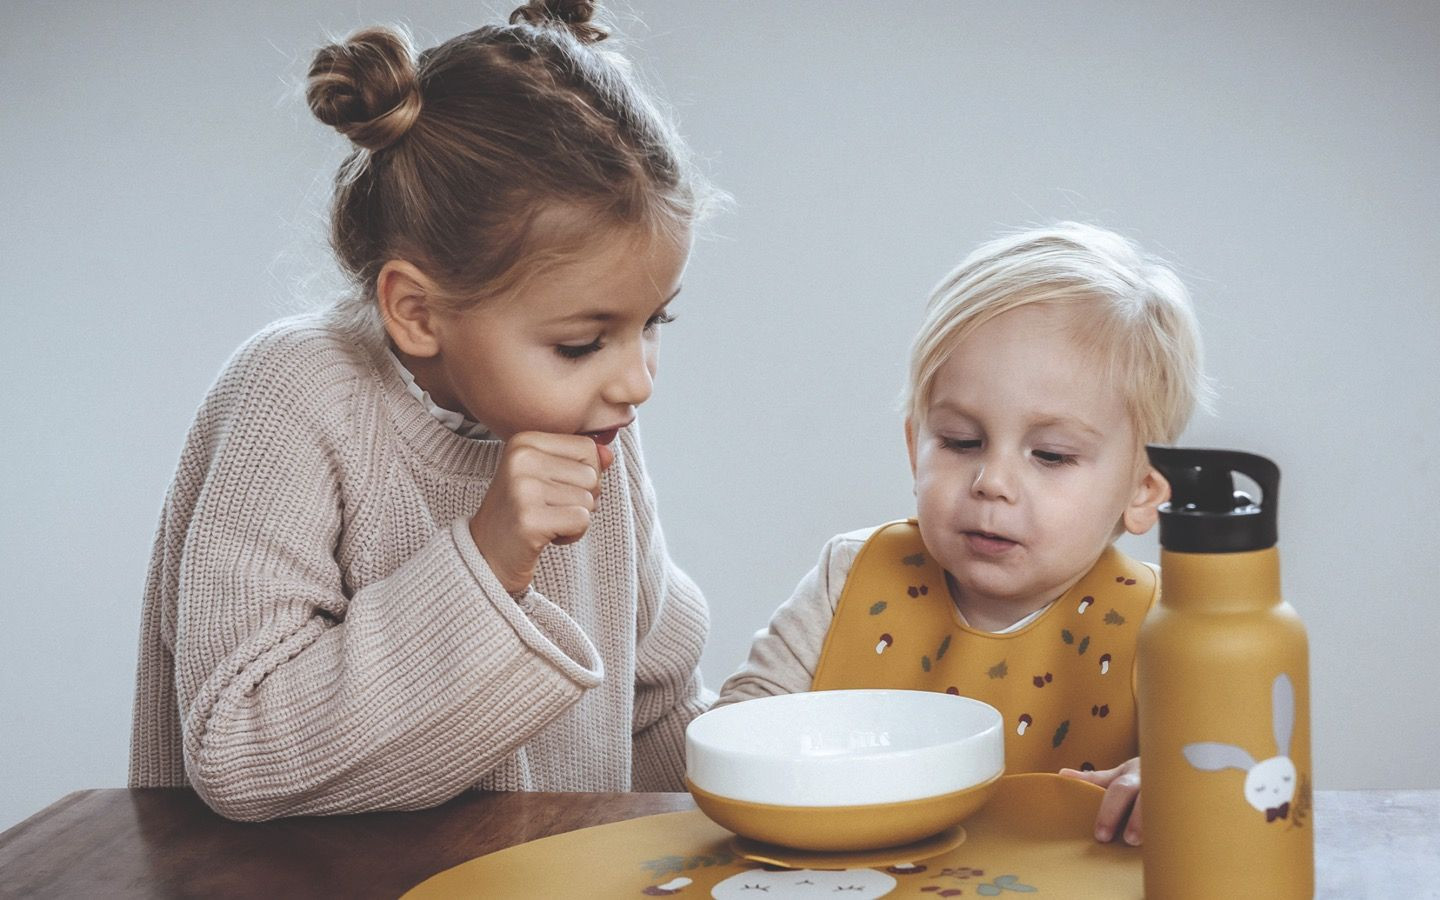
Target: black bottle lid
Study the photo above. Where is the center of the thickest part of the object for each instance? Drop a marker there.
(1205, 514)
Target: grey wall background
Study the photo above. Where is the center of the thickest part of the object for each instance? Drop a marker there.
(163, 189)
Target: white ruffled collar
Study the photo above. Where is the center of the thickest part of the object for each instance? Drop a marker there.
(452, 420)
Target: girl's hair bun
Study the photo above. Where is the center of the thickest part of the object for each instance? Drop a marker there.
(366, 88)
(572, 14)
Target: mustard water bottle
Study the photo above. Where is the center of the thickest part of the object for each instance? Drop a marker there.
(1223, 693)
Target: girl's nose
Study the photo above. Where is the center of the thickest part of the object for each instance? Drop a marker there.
(994, 482)
(633, 380)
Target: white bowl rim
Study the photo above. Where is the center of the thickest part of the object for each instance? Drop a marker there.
(888, 775)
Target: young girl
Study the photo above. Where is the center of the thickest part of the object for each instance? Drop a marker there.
(411, 547)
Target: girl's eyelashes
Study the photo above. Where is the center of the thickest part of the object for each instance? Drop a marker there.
(660, 318)
(577, 351)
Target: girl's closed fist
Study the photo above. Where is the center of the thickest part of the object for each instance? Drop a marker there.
(544, 491)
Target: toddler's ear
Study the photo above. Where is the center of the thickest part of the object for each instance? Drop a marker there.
(910, 442)
(1141, 515)
(403, 293)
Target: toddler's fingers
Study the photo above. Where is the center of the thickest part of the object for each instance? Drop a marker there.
(1119, 798)
(1134, 829)
(1090, 777)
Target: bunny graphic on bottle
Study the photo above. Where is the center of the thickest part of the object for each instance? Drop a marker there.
(1270, 783)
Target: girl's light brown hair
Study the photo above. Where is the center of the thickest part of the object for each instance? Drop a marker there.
(493, 154)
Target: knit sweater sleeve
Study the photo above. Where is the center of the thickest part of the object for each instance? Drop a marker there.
(671, 631)
(784, 655)
(297, 696)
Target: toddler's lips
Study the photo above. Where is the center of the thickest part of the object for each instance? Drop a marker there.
(986, 544)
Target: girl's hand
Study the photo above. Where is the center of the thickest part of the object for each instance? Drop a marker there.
(544, 491)
(1122, 798)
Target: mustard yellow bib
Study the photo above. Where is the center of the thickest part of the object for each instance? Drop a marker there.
(1064, 683)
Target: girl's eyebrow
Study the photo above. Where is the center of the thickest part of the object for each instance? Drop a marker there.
(603, 315)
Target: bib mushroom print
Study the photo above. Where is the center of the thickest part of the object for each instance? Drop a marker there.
(1064, 683)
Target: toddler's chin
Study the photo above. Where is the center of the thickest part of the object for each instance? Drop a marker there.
(997, 588)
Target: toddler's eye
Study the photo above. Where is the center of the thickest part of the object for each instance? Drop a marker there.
(660, 318)
(959, 445)
(1053, 459)
(576, 351)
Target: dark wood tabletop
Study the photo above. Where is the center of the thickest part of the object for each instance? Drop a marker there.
(167, 843)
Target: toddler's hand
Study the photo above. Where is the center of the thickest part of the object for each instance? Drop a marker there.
(544, 491)
(1122, 797)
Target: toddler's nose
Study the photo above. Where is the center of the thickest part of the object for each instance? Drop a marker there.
(993, 482)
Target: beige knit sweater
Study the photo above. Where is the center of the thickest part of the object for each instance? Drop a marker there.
(321, 635)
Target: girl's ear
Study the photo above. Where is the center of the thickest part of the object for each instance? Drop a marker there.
(1141, 515)
(406, 297)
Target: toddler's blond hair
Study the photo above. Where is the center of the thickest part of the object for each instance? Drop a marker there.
(1133, 311)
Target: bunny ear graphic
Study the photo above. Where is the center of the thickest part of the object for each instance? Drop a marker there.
(1212, 757)
(1282, 712)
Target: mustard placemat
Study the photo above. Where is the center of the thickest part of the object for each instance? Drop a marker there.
(1033, 837)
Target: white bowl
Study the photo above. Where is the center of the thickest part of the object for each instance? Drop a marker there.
(844, 770)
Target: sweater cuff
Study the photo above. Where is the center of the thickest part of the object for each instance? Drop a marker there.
(541, 625)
